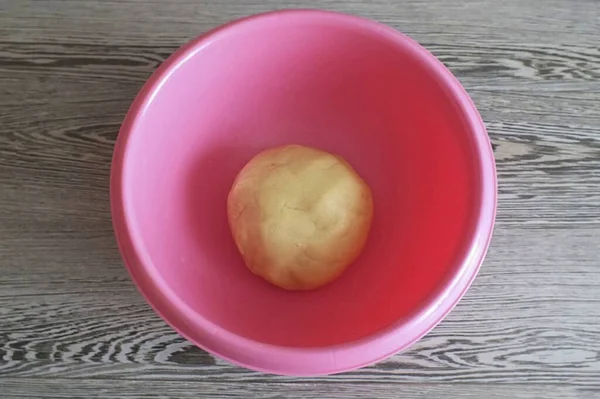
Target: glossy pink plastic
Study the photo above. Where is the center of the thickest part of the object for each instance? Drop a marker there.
(335, 82)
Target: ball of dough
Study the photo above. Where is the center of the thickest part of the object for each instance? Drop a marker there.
(299, 216)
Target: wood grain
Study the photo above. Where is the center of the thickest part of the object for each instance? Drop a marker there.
(133, 389)
(73, 325)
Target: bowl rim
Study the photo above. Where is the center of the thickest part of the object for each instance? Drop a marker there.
(292, 360)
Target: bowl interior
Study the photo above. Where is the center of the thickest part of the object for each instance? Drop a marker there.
(332, 86)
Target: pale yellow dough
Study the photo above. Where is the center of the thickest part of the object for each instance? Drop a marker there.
(299, 216)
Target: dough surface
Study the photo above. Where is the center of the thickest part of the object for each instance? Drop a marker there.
(299, 216)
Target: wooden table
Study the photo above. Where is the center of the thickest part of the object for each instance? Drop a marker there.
(73, 325)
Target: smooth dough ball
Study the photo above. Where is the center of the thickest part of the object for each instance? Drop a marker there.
(299, 216)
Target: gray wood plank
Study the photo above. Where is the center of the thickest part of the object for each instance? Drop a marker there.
(73, 325)
(133, 389)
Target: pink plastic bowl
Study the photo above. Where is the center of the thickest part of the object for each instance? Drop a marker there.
(332, 81)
